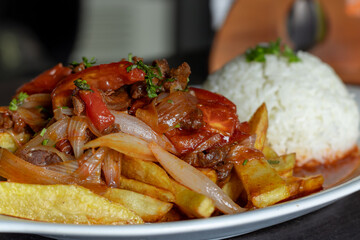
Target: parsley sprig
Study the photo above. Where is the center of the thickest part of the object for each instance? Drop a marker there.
(15, 102)
(88, 63)
(151, 88)
(82, 84)
(257, 54)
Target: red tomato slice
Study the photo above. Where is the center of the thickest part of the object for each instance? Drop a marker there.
(96, 109)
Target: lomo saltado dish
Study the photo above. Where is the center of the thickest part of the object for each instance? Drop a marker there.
(128, 143)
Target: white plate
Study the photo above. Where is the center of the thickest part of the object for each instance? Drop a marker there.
(212, 228)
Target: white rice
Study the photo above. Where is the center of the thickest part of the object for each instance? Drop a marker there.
(310, 110)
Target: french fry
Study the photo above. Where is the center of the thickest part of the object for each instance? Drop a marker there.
(147, 172)
(259, 125)
(11, 141)
(61, 204)
(193, 204)
(262, 183)
(124, 143)
(284, 164)
(148, 208)
(269, 153)
(233, 187)
(303, 186)
(146, 189)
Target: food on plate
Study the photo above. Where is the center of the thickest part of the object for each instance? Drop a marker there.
(310, 110)
(128, 143)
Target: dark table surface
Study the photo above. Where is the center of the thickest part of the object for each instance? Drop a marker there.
(340, 220)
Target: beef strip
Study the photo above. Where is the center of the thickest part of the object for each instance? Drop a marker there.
(193, 120)
(180, 76)
(117, 100)
(41, 157)
(79, 105)
(163, 65)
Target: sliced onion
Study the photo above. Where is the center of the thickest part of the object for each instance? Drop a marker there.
(61, 113)
(194, 179)
(134, 126)
(208, 143)
(90, 170)
(93, 129)
(32, 117)
(124, 143)
(112, 168)
(77, 134)
(16, 169)
(36, 100)
(149, 116)
(67, 168)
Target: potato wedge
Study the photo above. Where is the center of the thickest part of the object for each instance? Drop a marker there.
(124, 143)
(61, 204)
(269, 153)
(302, 186)
(193, 204)
(146, 189)
(284, 164)
(11, 141)
(148, 208)
(259, 125)
(262, 183)
(233, 187)
(147, 172)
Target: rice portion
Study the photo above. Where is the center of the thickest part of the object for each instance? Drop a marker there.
(310, 110)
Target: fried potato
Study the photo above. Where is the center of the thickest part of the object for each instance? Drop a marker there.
(193, 204)
(210, 173)
(146, 189)
(61, 204)
(124, 143)
(262, 183)
(284, 164)
(148, 208)
(269, 153)
(302, 186)
(259, 125)
(173, 215)
(233, 187)
(147, 172)
(7, 142)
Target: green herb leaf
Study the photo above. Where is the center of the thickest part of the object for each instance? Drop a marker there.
(15, 102)
(170, 101)
(42, 132)
(245, 162)
(130, 57)
(82, 84)
(273, 161)
(177, 126)
(45, 142)
(257, 54)
(86, 62)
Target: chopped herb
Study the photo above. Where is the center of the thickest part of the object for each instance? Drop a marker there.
(86, 62)
(177, 126)
(273, 161)
(63, 107)
(82, 84)
(151, 88)
(42, 132)
(45, 142)
(245, 162)
(15, 102)
(257, 54)
(130, 57)
(170, 101)
(169, 80)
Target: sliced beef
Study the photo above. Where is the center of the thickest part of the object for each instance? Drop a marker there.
(138, 90)
(117, 100)
(41, 157)
(179, 78)
(193, 120)
(163, 65)
(79, 105)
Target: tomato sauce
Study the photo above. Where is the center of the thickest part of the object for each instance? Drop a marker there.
(336, 172)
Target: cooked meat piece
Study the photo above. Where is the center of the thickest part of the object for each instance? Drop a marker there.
(41, 157)
(79, 68)
(136, 59)
(138, 90)
(64, 146)
(7, 120)
(163, 66)
(193, 120)
(19, 124)
(139, 103)
(118, 100)
(115, 128)
(180, 76)
(79, 105)
(223, 171)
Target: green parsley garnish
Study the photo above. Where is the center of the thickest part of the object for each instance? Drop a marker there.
(273, 161)
(177, 126)
(15, 102)
(82, 84)
(42, 132)
(151, 88)
(45, 142)
(245, 162)
(130, 57)
(170, 101)
(257, 54)
(86, 62)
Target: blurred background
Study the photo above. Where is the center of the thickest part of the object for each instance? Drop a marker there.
(35, 35)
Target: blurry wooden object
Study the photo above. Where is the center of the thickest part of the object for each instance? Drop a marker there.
(252, 22)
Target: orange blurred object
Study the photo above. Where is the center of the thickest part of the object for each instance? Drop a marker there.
(252, 22)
